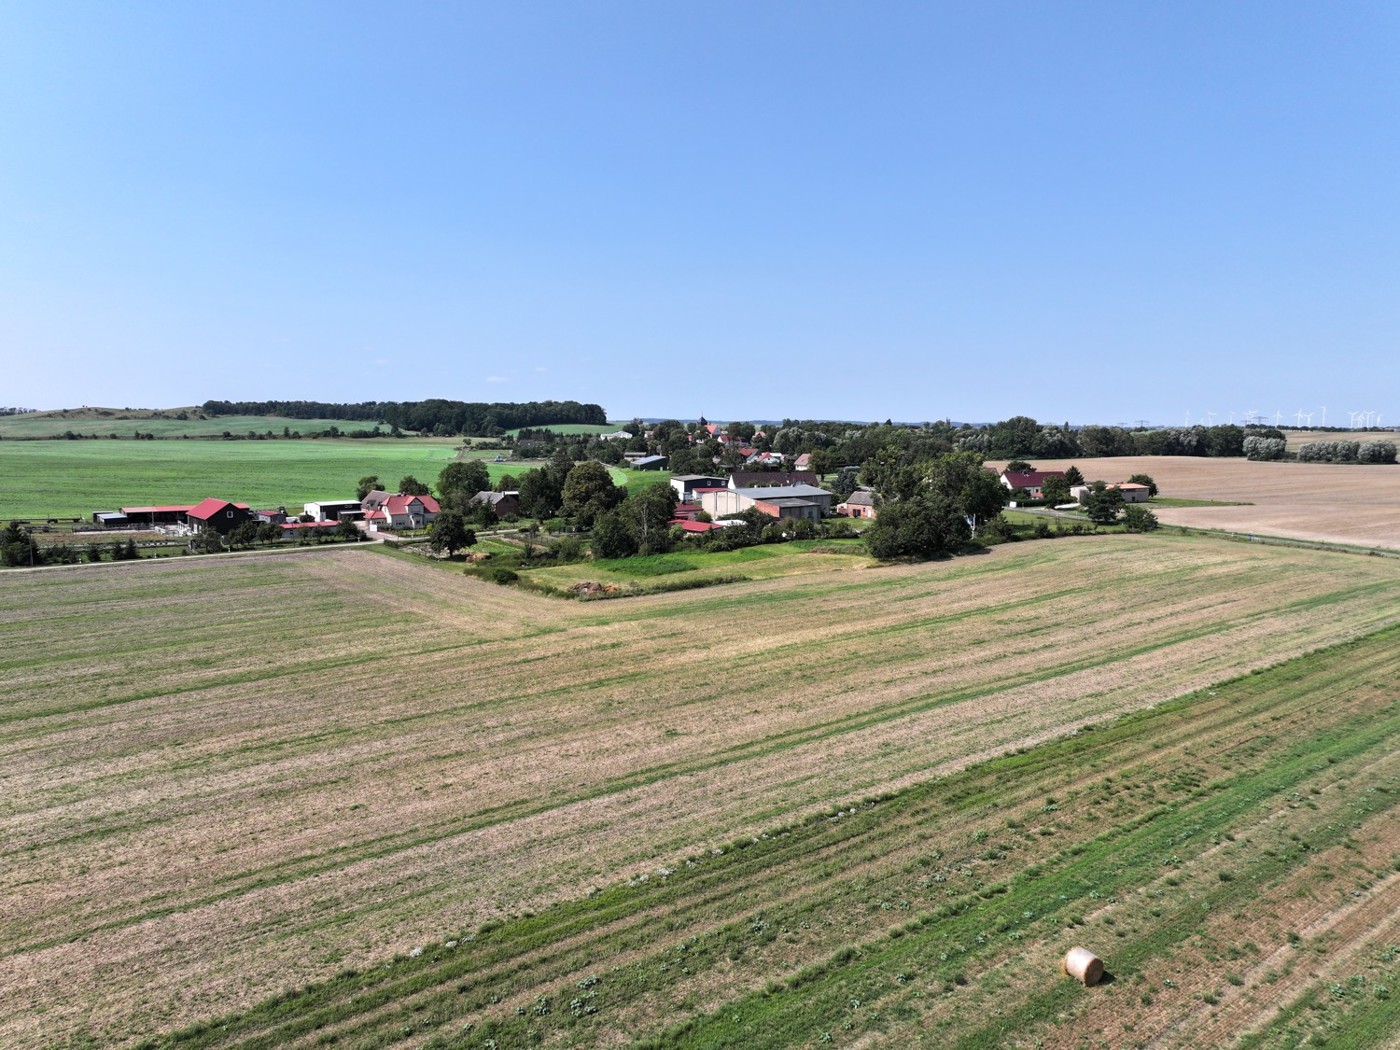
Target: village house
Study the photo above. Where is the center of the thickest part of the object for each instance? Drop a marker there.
(1030, 480)
(859, 504)
(403, 512)
(616, 435)
(686, 511)
(693, 528)
(504, 504)
(765, 459)
(803, 462)
(374, 500)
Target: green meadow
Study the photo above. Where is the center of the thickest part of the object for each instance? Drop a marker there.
(103, 423)
(75, 478)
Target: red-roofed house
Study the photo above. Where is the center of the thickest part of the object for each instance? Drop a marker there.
(697, 528)
(406, 512)
(217, 514)
(687, 511)
(1030, 481)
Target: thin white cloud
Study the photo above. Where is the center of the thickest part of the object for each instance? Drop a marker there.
(498, 379)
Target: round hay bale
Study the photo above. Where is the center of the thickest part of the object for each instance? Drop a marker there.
(1084, 966)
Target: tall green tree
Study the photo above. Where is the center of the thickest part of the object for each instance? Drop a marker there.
(589, 491)
(541, 493)
(459, 482)
(17, 546)
(1102, 504)
(411, 486)
(611, 537)
(449, 532)
(1055, 490)
(647, 513)
(367, 484)
(922, 527)
(961, 481)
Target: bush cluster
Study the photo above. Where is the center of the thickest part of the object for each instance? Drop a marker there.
(1347, 452)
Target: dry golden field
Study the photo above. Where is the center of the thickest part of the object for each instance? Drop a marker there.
(223, 780)
(1330, 502)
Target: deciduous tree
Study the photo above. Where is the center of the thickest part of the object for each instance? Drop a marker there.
(449, 532)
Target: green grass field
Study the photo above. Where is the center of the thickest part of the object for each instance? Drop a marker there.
(573, 428)
(124, 423)
(339, 798)
(74, 478)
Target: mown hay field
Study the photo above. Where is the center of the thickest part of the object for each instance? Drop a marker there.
(1327, 502)
(755, 814)
(74, 478)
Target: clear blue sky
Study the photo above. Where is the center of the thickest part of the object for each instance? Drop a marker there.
(1082, 211)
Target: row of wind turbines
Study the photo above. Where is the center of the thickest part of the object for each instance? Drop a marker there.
(1252, 416)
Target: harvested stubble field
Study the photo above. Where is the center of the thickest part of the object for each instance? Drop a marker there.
(767, 815)
(1327, 502)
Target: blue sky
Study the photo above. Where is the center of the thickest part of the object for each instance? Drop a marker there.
(1076, 211)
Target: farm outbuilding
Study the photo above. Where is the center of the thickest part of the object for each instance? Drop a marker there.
(164, 515)
(217, 514)
(334, 509)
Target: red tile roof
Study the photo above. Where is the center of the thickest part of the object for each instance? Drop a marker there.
(694, 526)
(400, 503)
(1032, 480)
(206, 509)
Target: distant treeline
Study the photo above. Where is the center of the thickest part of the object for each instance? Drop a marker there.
(436, 415)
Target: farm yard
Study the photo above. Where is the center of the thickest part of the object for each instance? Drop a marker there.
(343, 797)
(1331, 503)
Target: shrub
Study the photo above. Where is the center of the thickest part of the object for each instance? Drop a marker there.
(1138, 519)
(1264, 448)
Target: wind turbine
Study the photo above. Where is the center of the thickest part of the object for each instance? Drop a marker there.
(1232, 417)
(1324, 415)
(1277, 416)
(1298, 417)
(1354, 417)
(1308, 416)
(1210, 418)
(1188, 417)
(1250, 415)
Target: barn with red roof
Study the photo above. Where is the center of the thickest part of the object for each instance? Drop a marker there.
(217, 514)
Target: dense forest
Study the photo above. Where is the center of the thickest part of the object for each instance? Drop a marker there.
(435, 416)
